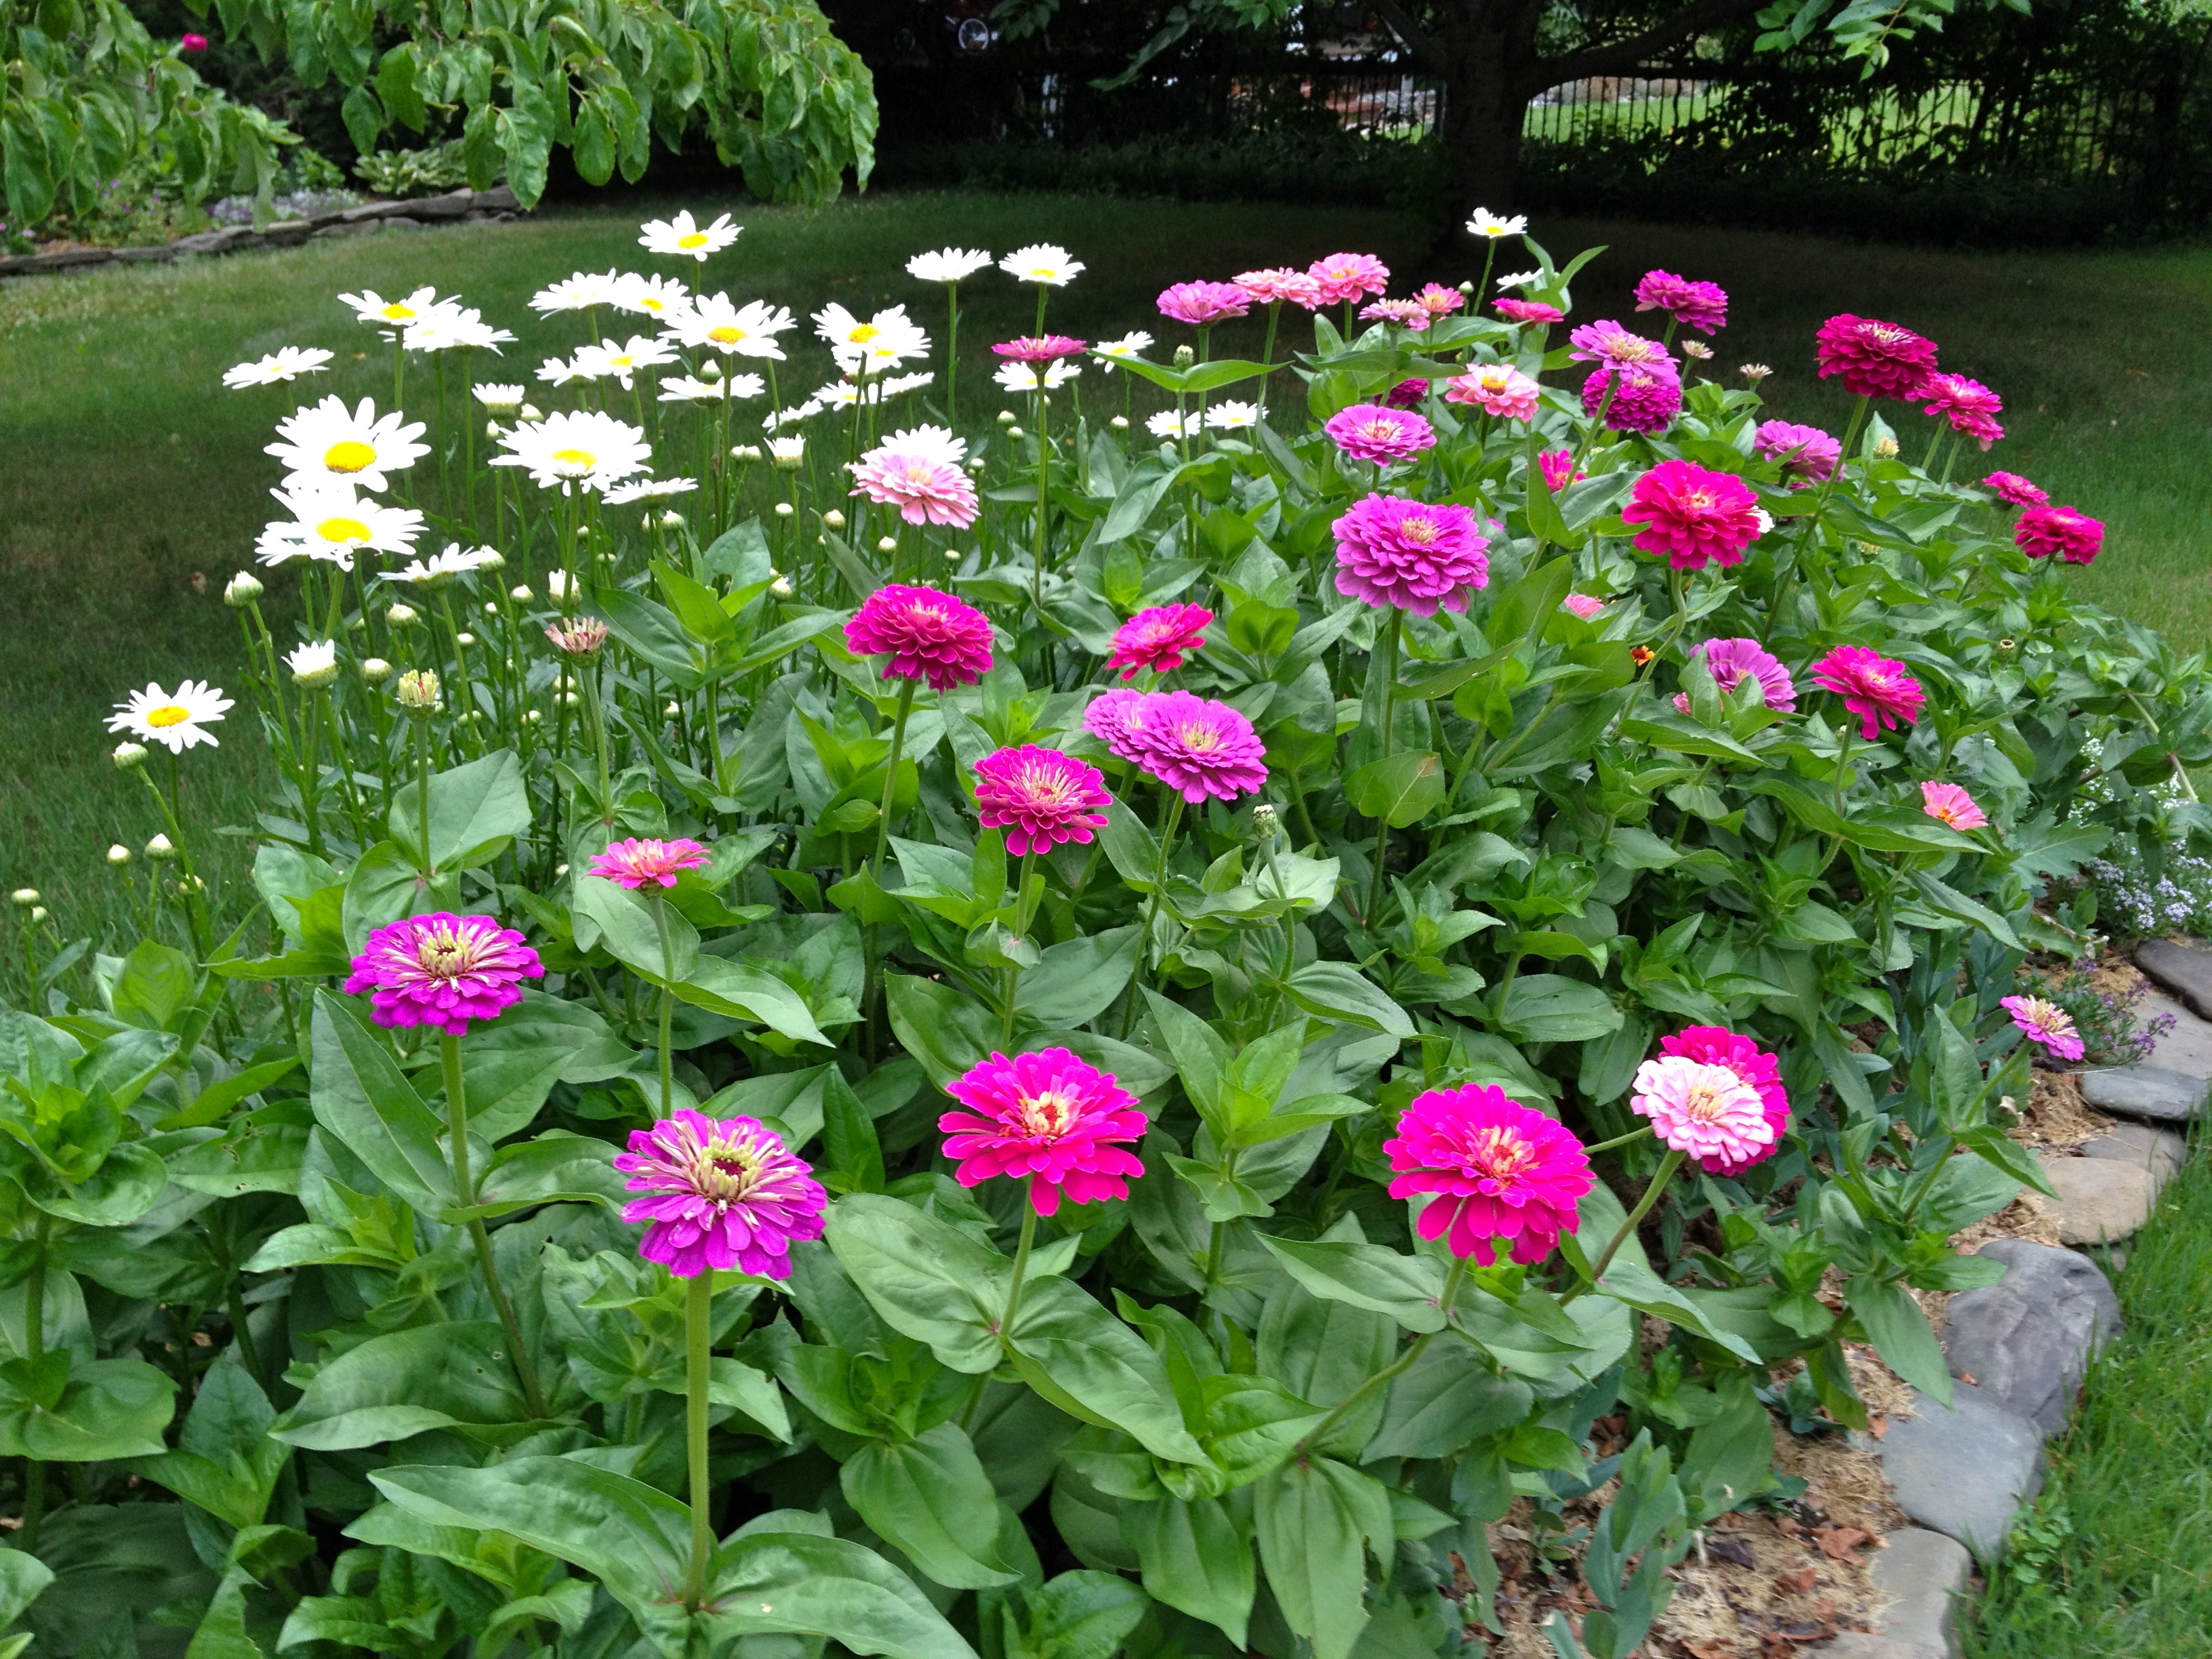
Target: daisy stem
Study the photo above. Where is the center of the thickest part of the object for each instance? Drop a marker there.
(34, 1350)
(952, 353)
(1665, 1173)
(1153, 905)
(311, 774)
(1044, 459)
(1489, 259)
(667, 1000)
(698, 1345)
(345, 766)
(1391, 646)
(465, 1195)
(1454, 1276)
(194, 894)
(907, 689)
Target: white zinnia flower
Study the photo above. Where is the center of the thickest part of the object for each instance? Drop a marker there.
(357, 446)
(746, 330)
(1023, 377)
(947, 264)
(441, 568)
(579, 292)
(315, 663)
(332, 522)
(179, 721)
(500, 399)
(1041, 262)
(584, 450)
(882, 341)
(603, 358)
(1230, 415)
(1168, 424)
(649, 489)
(391, 315)
(1486, 223)
(285, 363)
(682, 235)
(1128, 346)
(684, 389)
(658, 297)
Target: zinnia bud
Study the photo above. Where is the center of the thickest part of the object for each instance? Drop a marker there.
(1884, 449)
(1265, 820)
(1184, 356)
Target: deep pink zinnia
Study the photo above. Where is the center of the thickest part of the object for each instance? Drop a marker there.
(2070, 533)
(1039, 348)
(1806, 452)
(1947, 803)
(1159, 639)
(1607, 342)
(1344, 277)
(1716, 1045)
(1051, 1119)
(2045, 1022)
(1496, 389)
(1701, 306)
(639, 862)
(1729, 661)
(1558, 466)
(1873, 687)
(1111, 718)
(723, 1193)
(1703, 1110)
(926, 634)
(2021, 492)
(1693, 516)
(1409, 393)
(1528, 310)
(1204, 304)
(1198, 747)
(1395, 552)
(194, 43)
(925, 486)
(1406, 313)
(442, 970)
(1370, 432)
(1040, 797)
(1876, 359)
(1647, 399)
(1499, 1168)
(1278, 284)
(1971, 407)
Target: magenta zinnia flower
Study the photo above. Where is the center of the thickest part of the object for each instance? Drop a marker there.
(1947, 803)
(1558, 466)
(1196, 746)
(636, 862)
(1702, 1110)
(1971, 407)
(1408, 393)
(1496, 389)
(1406, 313)
(1693, 516)
(1393, 552)
(1343, 277)
(1876, 359)
(1806, 452)
(1370, 432)
(2021, 492)
(1607, 342)
(1499, 1168)
(1648, 400)
(1039, 348)
(1051, 1119)
(724, 1194)
(1701, 306)
(1159, 639)
(1528, 310)
(1204, 304)
(1585, 605)
(926, 634)
(2070, 533)
(1111, 718)
(1278, 284)
(919, 473)
(1731, 660)
(1040, 797)
(1873, 687)
(1716, 1045)
(442, 970)
(2045, 1022)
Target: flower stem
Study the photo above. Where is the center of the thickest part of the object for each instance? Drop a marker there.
(34, 1349)
(1619, 1141)
(952, 353)
(907, 689)
(1453, 1280)
(667, 998)
(1021, 1270)
(1667, 1165)
(1152, 908)
(1391, 646)
(465, 1194)
(423, 789)
(698, 1311)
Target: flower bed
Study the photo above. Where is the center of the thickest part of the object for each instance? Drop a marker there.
(943, 1036)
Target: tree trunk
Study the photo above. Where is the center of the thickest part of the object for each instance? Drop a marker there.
(1489, 52)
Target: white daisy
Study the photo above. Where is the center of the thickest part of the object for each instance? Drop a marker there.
(650, 489)
(684, 389)
(899, 384)
(285, 363)
(331, 522)
(1230, 415)
(1521, 279)
(579, 292)
(786, 452)
(357, 446)
(1128, 346)
(935, 443)
(947, 264)
(747, 331)
(448, 328)
(1168, 424)
(795, 414)
(1045, 263)
(582, 450)
(603, 359)
(838, 394)
(1023, 377)
(179, 722)
(881, 342)
(684, 236)
(560, 371)
(657, 297)
(1486, 223)
(441, 568)
(391, 315)
(498, 399)
(315, 663)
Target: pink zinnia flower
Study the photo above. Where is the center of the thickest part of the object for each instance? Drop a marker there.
(1701, 306)
(1344, 277)
(1370, 432)
(1702, 1110)
(1971, 407)
(2070, 533)
(1111, 718)
(1876, 359)
(1440, 302)
(918, 472)
(1496, 389)
(926, 634)
(1278, 284)
(1647, 401)
(1585, 605)
(1039, 348)
(193, 43)
(1051, 1119)
(2045, 1022)
(442, 970)
(1806, 452)
(1196, 746)
(1040, 797)
(1393, 552)
(1159, 639)
(1558, 466)
(1716, 1045)
(1407, 394)
(1499, 1168)
(1528, 310)
(1731, 660)
(1204, 304)
(724, 1194)
(637, 862)
(1608, 342)
(1693, 516)
(2021, 492)
(1406, 313)
(1947, 803)
(1873, 687)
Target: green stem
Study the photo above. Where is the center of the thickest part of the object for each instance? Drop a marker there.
(698, 1312)
(667, 1001)
(423, 789)
(1027, 891)
(587, 671)
(1638, 1133)
(1021, 1270)
(907, 689)
(465, 1194)
(1843, 762)
(1453, 1280)
(1667, 1165)
(952, 353)
(1152, 908)
(34, 1349)
(1391, 646)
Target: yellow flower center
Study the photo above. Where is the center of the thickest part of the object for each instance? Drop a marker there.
(694, 238)
(1049, 1113)
(1500, 1153)
(624, 361)
(397, 311)
(342, 529)
(349, 455)
(725, 335)
(1703, 1102)
(863, 332)
(1423, 531)
(1203, 739)
(583, 460)
(169, 714)
(647, 302)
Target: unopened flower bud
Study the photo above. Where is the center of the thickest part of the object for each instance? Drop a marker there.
(559, 871)
(26, 897)
(1265, 820)
(1884, 449)
(191, 884)
(1005, 417)
(781, 588)
(674, 710)
(160, 848)
(464, 638)
(491, 429)
(401, 615)
(557, 585)
(38, 914)
(530, 412)
(118, 854)
(418, 692)
(241, 590)
(533, 716)
(977, 465)
(128, 757)
(1466, 287)
(952, 556)
(375, 670)
(834, 519)
(1184, 356)
(1015, 433)
(570, 698)
(784, 509)
(520, 593)
(886, 544)
(711, 371)
(1120, 423)
(491, 607)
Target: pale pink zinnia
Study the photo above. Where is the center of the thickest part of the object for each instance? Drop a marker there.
(1693, 515)
(723, 1195)
(1159, 639)
(1948, 803)
(1587, 606)
(1500, 1170)
(920, 474)
(1646, 398)
(1410, 315)
(1730, 661)
(1202, 304)
(1346, 276)
(1876, 359)
(1716, 1045)
(1971, 407)
(926, 634)
(1440, 302)
(1701, 306)
(1528, 310)
(1372, 432)
(1496, 389)
(1278, 284)
(1040, 798)
(1196, 746)
(639, 862)
(1039, 348)
(1702, 1110)
(1051, 1119)
(1558, 466)
(2021, 492)
(1875, 688)
(1607, 342)
(1806, 452)
(1111, 718)
(1395, 552)
(2045, 1022)
(2070, 533)
(442, 970)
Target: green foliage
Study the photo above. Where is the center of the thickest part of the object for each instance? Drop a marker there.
(426, 172)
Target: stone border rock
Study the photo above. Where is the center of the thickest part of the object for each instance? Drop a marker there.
(497, 205)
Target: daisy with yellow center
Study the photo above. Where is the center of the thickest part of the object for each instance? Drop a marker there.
(1046, 264)
(177, 721)
(391, 315)
(882, 341)
(570, 451)
(330, 520)
(684, 237)
(329, 443)
(711, 322)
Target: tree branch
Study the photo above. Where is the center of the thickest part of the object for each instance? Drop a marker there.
(1619, 55)
(1417, 40)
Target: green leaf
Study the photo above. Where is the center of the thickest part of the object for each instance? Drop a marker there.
(127, 1184)
(1093, 1367)
(475, 810)
(1553, 1008)
(1407, 1288)
(1200, 1054)
(924, 1279)
(606, 913)
(1078, 1615)
(1900, 1334)
(109, 1409)
(214, 1102)
(361, 1095)
(1197, 1558)
(1337, 990)
(743, 991)
(931, 1497)
(22, 1577)
(558, 1167)
(1315, 1521)
(947, 1032)
(433, 1377)
(1402, 789)
(509, 1066)
(1445, 1400)
(1077, 979)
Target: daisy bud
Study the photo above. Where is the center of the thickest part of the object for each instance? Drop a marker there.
(674, 711)
(783, 509)
(128, 757)
(952, 556)
(886, 544)
(560, 870)
(533, 716)
(530, 412)
(1005, 417)
(118, 854)
(570, 698)
(464, 638)
(834, 519)
(781, 588)
(521, 594)
(38, 914)
(1120, 423)
(711, 371)
(160, 848)
(375, 670)
(1884, 449)
(491, 429)
(1184, 356)
(314, 665)
(491, 607)
(976, 465)
(401, 615)
(26, 897)
(646, 522)
(241, 592)
(556, 584)
(671, 521)
(1467, 288)
(417, 692)
(191, 884)
(1015, 433)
